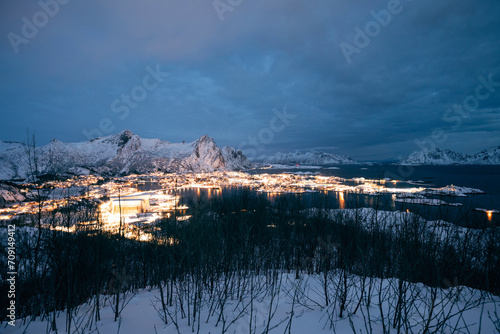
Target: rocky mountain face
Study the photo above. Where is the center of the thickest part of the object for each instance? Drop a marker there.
(306, 158)
(119, 154)
(438, 156)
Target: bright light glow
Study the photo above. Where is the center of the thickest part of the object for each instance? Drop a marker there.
(139, 210)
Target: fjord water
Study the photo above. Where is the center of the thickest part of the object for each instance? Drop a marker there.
(485, 178)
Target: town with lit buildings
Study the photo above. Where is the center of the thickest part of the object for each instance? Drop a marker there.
(126, 204)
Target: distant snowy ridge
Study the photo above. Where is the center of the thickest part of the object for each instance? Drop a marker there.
(306, 158)
(438, 156)
(122, 153)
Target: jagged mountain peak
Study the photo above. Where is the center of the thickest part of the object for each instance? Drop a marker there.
(205, 139)
(491, 149)
(127, 133)
(124, 137)
(438, 156)
(122, 153)
(311, 157)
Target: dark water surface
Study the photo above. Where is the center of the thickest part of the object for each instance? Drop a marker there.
(485, 178)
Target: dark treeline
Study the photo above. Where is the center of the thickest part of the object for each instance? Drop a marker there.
(229, 239)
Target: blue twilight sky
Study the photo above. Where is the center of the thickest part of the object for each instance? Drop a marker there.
(370, 79)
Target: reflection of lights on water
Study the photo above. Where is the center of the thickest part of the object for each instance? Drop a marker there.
(489, 214)
(274, 185)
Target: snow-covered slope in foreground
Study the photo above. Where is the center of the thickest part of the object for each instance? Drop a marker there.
(121, 153)
(438, 156)
(273, 301)
(306, 158)
(298, 304)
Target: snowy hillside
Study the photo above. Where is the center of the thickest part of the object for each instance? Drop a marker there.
(121, 153)
(294, 306)
(227, 284)
(438, 156)
(9, 194)
(307, 158)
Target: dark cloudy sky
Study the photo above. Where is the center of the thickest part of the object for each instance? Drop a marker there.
(232, 69)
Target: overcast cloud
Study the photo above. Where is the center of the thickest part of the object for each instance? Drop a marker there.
(225, 77)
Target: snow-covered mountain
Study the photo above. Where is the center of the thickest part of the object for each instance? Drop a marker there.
(438, 156)
(122, 153)
(490, 156)
(305, 158)
(9, 194)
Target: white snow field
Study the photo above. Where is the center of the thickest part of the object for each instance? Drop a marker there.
(292, 306)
